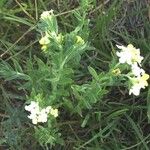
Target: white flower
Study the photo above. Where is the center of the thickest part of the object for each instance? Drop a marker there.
(46, 14)
(135, 90)
(34, 117)
(48, 109)
(125, 57)
(136, 70)
(42, 117)
(34, 109)
(129, 55)
(34, 106)
(34, 120)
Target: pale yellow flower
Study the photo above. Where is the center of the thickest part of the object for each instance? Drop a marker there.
(143, 80)
(54, 112)
(44, 40)
(79, 40)
(116, 71)
(60, 38)
(138, 84)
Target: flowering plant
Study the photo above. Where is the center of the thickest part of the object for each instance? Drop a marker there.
(65, 51)
(53, 84)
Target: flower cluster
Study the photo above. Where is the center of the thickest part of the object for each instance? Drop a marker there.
(37, 114)
(44, 41)
(131, 56)
(50, 37)
(50, 32)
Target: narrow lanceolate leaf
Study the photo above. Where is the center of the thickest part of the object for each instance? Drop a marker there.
(93, 73)
(8, 73)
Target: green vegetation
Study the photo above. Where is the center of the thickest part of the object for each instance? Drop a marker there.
(67, 60)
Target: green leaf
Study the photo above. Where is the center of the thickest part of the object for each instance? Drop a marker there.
(87, 117)
(93, 73)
